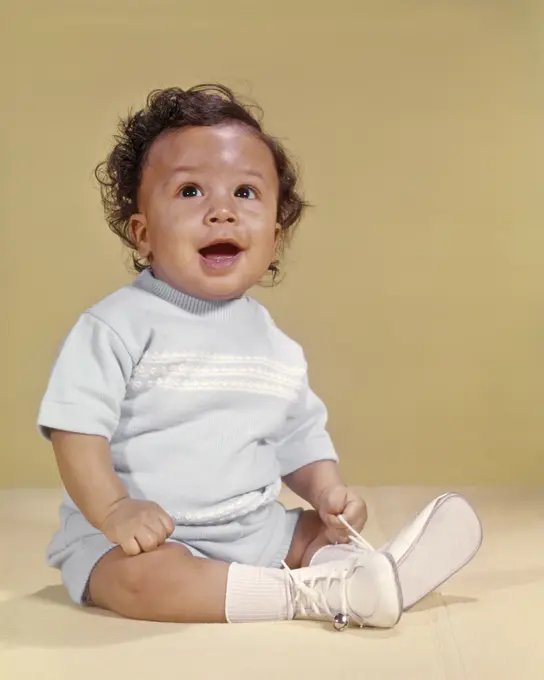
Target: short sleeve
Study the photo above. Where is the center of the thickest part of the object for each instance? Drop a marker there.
(304, 438)
(88, 381)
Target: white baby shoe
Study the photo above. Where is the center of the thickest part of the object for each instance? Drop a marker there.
(440, 541)
(362, 588)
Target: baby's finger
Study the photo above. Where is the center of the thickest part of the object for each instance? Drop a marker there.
(168, 523)
(334, 500)
(356, 515)
(158, 529)
(335, 531)
(162, 528)
(131, 547)
(335, 536)
(331, 521)
(147, 538)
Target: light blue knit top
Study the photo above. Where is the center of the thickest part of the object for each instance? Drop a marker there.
(206, 404)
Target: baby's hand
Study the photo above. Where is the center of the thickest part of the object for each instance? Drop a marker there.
(341, 500)
(137, 526)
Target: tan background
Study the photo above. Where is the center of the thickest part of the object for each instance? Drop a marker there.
(416, 282)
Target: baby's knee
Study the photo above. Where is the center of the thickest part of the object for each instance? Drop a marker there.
(133, 578)
(152, 571)
(119, 581)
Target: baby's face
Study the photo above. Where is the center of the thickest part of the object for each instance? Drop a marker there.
(208, 205)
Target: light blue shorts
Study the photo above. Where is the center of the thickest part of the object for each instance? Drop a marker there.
(260, 538)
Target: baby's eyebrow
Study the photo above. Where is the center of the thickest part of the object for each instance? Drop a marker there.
(188, 169)
(253, 173)
(179, 170)
(184, 168)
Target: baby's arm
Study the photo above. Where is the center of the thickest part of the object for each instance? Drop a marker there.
(87, 472)
(310, 481)
(321, 485)
(309, 467)
(80, 413)
(85, 466)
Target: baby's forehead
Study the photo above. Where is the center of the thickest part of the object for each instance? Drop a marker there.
(207, 147)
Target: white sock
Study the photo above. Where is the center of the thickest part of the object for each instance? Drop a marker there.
(265, 594)
(258, 594)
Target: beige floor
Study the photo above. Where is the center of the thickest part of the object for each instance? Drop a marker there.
(486, 621)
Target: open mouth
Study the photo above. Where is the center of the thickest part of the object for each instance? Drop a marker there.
(220, 255)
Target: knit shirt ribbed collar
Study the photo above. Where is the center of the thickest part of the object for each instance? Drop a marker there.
(214, 308)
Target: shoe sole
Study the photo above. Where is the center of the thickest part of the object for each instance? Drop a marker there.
(447, 541)
(399, 596)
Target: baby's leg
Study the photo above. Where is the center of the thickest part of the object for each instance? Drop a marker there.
(309, 537)
(167, 584)
(170, 584)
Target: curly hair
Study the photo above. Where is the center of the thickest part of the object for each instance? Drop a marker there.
(119, 176)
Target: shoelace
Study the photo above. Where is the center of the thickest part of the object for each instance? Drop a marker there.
(309, 597)
(312, 595)
(355, 538)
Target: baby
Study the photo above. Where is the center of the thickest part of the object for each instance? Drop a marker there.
(176, 408)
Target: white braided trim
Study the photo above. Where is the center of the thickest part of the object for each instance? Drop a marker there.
(230, 509)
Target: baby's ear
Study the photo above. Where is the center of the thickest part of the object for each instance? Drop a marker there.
(140, 235)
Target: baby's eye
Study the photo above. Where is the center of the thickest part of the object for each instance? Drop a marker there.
(245, 192)
(190, 191)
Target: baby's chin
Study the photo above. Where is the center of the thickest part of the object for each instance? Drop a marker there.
(213, 284)
(220, 289)
(211, 288)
